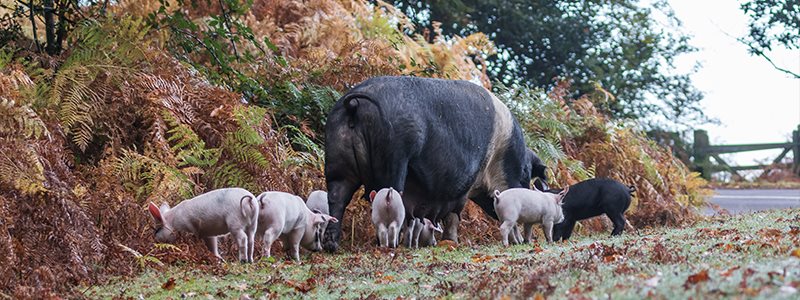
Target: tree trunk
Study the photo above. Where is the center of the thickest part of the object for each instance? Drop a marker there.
(53, 47)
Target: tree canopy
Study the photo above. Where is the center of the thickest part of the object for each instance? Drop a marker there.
(772, 24)
(618, 45)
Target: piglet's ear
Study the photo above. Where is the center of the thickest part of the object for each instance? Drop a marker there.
(155, 213)
(372, 195)
(562, 195)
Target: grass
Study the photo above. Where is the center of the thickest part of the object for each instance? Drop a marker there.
(752, 256)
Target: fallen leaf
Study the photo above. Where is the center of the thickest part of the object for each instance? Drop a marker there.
(575, 290)
(303, 287)
(794, 230)
(448, 244)
(770, 233)
(697, 278)
(752, 292)
(480, 258)
(221, 294)
(775, 276)
(538, 297)
(536, 249)
(796, 252)
(169, 285)
(386, 279)
(728, 272)
(611, 258)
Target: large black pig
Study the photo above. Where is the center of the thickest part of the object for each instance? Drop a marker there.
(591, 198)
(437, 141)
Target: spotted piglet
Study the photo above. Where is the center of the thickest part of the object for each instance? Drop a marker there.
(388, 214)
(527, 207)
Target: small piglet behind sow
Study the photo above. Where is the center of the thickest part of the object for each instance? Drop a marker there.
(426, 234)
(388, 214)
(286, 216)
(421, 233)
(528, 207)
(592, 198)
(216, 213)
(318, 202)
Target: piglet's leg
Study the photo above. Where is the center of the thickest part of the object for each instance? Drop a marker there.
(269, 237)
(506, 229)
(527, 233)
(383, 236)
(394, 234)
(517, 235)
(291, 243)
(241, 242)
(211, 244)
(547, 227)
(251, 243)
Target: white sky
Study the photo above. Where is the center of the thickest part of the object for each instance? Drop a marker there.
(754, 102)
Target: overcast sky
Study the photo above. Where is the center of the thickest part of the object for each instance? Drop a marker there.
(754, 102)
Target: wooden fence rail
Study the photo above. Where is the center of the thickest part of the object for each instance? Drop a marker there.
(702, 152)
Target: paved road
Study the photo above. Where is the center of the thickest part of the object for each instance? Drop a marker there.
(742, 201)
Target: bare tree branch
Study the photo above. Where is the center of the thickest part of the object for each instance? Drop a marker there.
(758, 52)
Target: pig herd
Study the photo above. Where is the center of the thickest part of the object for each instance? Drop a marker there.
(421, 147)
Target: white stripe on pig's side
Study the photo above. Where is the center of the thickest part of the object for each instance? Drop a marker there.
(491, 176)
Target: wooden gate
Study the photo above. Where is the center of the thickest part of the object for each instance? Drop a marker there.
(702, 152)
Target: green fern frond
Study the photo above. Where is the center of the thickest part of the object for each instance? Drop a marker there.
(230, 174)
(111, 48)
(6, 57)
(188, 148)
(148, 178)
(313, 155)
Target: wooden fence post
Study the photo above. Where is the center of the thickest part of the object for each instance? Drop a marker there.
(796, 151)
(701, 160)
